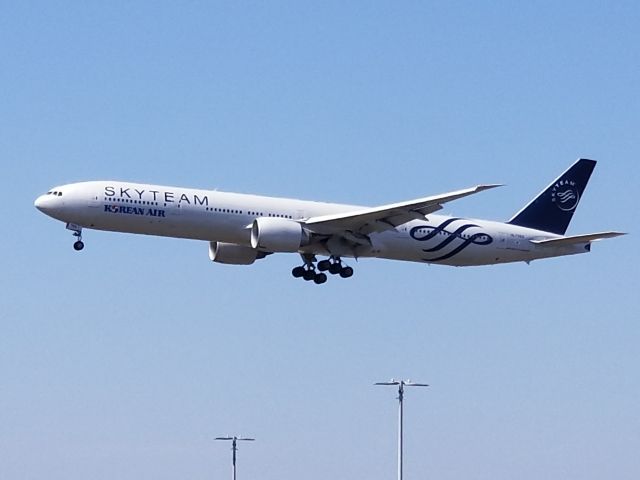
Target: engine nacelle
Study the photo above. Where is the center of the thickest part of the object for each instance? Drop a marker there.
(277, 234)
(233, 254)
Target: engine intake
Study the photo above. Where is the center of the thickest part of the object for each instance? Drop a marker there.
(277, 234)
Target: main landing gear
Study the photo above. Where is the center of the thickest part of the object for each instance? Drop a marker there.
(77, 232)
(308, 271)
(335, 267)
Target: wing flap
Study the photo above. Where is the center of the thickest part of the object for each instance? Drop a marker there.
(575, 239)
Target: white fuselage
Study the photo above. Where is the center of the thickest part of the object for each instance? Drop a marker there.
(227, 217)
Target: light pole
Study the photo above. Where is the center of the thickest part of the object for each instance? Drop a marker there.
(234, 448)
(401, 384)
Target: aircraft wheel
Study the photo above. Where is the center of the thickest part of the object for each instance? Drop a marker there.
(320, 278)
(79, 245)
(334, 268)
(309, 275)
(324, 265)
(346, 272)
(298, 272)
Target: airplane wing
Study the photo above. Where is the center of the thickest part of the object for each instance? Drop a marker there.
(575, 239)
(385, 217)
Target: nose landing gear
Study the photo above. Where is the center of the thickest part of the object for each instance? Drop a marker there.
(77, 232)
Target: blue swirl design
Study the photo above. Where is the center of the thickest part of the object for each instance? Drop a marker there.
(477, 238)
(566, 196)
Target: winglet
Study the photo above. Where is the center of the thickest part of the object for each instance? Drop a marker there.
(488, 186)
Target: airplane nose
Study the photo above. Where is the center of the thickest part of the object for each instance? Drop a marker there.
(40, 203)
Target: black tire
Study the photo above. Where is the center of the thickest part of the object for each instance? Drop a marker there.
(334, 268)
(323, 265)
(77, 246)
(298, 272)
(320, 278)
(309, 275)
(346, 272)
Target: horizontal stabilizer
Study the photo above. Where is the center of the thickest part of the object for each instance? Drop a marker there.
(576, 239)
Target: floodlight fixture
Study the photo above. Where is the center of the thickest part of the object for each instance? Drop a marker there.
(234, 448)
(401, 384)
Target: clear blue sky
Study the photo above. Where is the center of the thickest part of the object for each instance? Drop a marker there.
(126, 360)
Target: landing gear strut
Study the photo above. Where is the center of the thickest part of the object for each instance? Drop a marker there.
(308, 271)
(77, 232)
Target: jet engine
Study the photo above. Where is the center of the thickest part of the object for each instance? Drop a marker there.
(233, 254)
(277, 234)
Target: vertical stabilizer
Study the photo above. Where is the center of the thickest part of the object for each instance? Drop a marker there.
(551, 211)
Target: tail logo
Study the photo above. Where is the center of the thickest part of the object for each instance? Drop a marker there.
(565, 195)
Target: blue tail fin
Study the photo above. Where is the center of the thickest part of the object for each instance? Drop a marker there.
(551, 211)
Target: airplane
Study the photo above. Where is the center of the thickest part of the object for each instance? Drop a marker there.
(243, 228)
